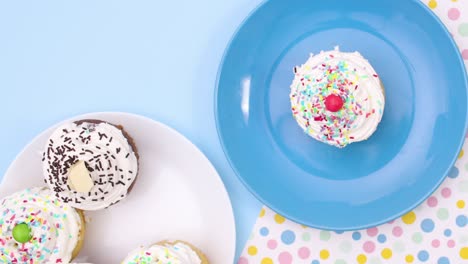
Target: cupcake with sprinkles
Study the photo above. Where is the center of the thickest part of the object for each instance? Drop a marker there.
(90, 164)
(337, 97)
(166, 252)
(37, 228)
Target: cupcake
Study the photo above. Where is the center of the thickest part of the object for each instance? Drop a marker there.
(164, 252)
(35, 227)
(337, 97)
(90, 164)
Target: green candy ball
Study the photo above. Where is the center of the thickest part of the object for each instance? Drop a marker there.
(22, 233)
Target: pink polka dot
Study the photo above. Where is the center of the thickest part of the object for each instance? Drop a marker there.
(285, 258)
(435, 243)
(465, 57)
(432, 201)
(243, 260)
(446, 192)
(303, 252)
(451, 243)
(397, 231)
(369, 247)
(454, 13)
(272, 244)
(372, 231)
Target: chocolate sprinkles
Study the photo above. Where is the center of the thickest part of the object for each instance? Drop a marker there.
(100, 152)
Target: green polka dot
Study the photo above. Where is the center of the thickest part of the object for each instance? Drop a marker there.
(417, 238)
(466, 166)
(463, 29)
(251, 236)
(306, 236)
(443, 214)
(325, 235)
(463, 239)
(399, 246)
(346, 246)
(340, 261)
(463, 186)
(374, 260)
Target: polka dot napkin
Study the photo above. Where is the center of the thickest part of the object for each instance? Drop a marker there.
(436, 232)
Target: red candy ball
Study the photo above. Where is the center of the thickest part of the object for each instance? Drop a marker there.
(333, 103)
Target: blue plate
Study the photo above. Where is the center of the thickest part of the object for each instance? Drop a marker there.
(367, 183)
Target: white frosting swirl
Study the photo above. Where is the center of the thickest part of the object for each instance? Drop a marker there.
(110, 159)
(349, 76)
(168, 253)
(55, 228)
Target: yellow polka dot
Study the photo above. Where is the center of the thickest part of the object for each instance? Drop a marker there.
(461, 204)
(361, 259)
(461, 154)
(262, 212)
(464, 253)
(386, 253)
(409, 258)
(279, 219)
(252, 250)
(266, 261)
(324, 254)
(409, 218)
(432, 4)
(304, 226)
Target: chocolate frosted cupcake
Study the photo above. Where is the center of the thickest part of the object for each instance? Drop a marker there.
(90, 164)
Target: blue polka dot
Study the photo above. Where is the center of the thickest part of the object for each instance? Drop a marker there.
(447, 232)
(461, 220)
(423, 255)
(443, 260)
(264, 231)
(288, 237)
(453, 173)
(427, 225)
(315, 262)
(356, 236)
(339, 232)
(382, 238)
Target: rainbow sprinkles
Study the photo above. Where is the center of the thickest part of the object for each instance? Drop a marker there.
(337, 97)
(54, 228)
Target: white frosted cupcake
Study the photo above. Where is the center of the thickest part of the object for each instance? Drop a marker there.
(337, 97)
(37, 228)
(90, 164)
(166, 252)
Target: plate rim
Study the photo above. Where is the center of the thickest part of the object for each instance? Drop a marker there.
(43, 133)
(221, 65)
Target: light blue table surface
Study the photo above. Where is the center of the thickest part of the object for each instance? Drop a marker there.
(156, 58)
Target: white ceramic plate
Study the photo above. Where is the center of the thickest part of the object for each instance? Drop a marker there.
(177, 195)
